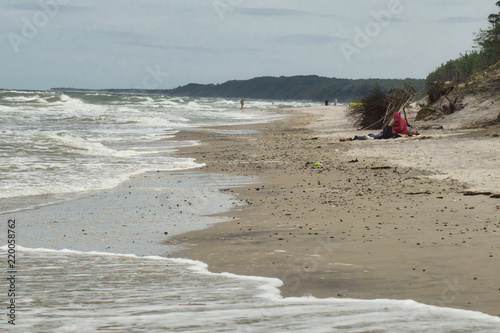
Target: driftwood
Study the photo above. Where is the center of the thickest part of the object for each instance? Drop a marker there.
(381, 168)
(390, 111)
(398, 99)
(441, 101)
(419, 193)
(387, 116)
(437, 89)
(474, 193)
(451, 107)
(431, 127)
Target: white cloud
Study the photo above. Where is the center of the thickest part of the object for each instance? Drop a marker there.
(109, 43)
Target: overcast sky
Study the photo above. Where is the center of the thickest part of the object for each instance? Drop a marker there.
(166, 43)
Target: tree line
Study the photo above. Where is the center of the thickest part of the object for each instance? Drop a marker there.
(311, 87)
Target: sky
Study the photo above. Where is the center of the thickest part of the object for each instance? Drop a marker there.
(163, 44)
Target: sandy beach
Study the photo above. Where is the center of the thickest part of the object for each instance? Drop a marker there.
(361, 219)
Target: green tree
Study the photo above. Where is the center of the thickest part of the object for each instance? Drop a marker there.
(486, 54)
(488, 40)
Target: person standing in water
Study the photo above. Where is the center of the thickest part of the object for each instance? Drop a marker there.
(242, 102)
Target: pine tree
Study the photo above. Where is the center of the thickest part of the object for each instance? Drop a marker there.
(488, 40)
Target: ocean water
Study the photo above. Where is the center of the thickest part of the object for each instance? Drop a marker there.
(97, 192)
(70, 291)
(99, 140)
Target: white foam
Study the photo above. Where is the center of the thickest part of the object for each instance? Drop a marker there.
(81, 145)
(22, 98)
(94, 178)
(162, 294)
(75, 142)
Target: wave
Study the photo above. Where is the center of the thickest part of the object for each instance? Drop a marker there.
(83, 141)
(77, 144)
(84, 177)
(29, 99)
(164, 294)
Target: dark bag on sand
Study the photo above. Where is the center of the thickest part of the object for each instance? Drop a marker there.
(387, 133)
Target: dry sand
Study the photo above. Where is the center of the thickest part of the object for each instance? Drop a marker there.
(469, 155)
(378, 219)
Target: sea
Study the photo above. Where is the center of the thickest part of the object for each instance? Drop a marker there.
(91, 192)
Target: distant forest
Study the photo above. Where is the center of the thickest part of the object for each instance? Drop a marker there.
(311, 88)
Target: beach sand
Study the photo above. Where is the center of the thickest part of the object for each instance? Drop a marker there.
(377, 219)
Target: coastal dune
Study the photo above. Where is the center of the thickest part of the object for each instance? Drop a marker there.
(411, 218)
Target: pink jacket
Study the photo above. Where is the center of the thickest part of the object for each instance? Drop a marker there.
(399, 127)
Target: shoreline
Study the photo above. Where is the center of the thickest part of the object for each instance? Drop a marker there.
(362, 228)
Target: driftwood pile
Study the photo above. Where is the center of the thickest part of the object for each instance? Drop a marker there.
(442, 101)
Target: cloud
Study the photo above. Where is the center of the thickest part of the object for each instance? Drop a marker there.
(310, 39)
(192, 50)
(257, 38)
(21, 6)
(38, 6)
(462, 19)
(276, 12)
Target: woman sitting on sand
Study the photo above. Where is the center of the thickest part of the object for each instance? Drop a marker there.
(398, 128)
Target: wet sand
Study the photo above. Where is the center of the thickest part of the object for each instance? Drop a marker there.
(363, 223)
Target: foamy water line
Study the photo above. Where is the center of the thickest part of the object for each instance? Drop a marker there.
(76, 291)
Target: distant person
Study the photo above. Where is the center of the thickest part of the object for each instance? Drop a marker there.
(326, 102)
(242, 102)
(335, 102)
